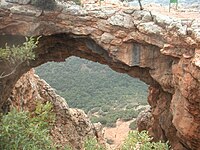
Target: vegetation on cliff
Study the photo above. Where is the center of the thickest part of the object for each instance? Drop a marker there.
(135, 141)
(142, 141)
(92, 144)
(13, 56)
(28, 131)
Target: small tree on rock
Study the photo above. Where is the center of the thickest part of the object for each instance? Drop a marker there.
(14, 56)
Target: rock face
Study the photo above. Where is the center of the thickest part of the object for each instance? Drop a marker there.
(72, 126)
(163, 52)
(144, 120)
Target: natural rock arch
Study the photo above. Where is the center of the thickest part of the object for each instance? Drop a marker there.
(161, 51)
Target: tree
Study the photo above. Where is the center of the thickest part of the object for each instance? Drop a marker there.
(23, 130)
(14, 56)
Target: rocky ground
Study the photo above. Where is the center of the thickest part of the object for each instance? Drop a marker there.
(186, 9)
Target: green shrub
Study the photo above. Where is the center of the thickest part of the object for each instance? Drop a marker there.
(44, 4)
(44, 114)
(102, 120)
(105, 108)
(19, 130)
(142, 141)
(94, 110)
(111, 124)
(129, 106)
(18, 53)
(109, 119)
(67, 148)
(78, 2)
(101, 113)
(128, 114)
(133, 125)
(92, 144)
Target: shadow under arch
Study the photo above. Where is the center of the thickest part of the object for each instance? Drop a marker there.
(58, 47)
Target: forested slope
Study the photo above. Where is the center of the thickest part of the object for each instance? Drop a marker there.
(94, 87)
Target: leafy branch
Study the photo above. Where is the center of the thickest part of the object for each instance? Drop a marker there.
(14, 56)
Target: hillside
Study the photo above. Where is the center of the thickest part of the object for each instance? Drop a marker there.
(96, 88)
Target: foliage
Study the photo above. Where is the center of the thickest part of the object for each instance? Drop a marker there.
(19, 53)
(96, 89)
(134, 141)
(105, 108)
(78, 2)
(67, 148)
(24, 130)
(95, 109)
(44, 4)
(142, 141)
(130, 106)
(44, 114)
(111, 117)
(102, 120)
(127, 115)
(16, 55)
(87, 85)
(92, 144)
(133, 125)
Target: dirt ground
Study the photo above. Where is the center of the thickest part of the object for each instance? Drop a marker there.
(117, 134)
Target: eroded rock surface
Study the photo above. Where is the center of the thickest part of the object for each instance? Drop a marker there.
(163, 52)
(72, 126)
(144, 120)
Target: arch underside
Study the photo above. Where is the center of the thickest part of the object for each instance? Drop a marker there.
(59, 47)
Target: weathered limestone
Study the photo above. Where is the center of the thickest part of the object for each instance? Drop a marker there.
(161, 51)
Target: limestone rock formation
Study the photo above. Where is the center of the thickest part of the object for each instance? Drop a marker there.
(72, 126)
(163, 52)
(144, 120)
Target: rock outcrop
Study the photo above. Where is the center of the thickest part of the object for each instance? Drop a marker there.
(163, 52)
(71, 127)
(144, 120)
